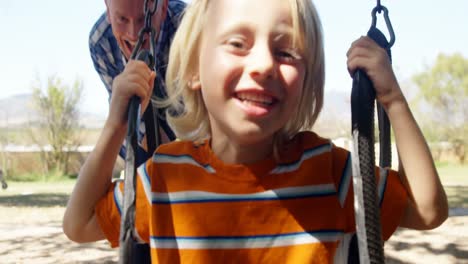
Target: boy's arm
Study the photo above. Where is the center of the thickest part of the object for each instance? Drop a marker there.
(79, 221)
(427, 205)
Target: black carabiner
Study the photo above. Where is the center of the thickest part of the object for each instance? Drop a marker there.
(380, 8)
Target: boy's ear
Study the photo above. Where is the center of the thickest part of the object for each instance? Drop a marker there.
(195, 83)
(107, 11)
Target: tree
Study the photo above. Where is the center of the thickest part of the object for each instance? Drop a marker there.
(57, 129)
(444, 99)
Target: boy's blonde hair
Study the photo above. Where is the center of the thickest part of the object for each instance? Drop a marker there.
(187, 114)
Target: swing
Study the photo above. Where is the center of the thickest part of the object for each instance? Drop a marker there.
(368, 242)
(369, 238)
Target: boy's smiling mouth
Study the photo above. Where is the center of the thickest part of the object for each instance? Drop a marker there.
(255, 103)
(254, 98)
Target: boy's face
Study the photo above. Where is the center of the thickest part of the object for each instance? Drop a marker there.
(127, 19)
(251, 75)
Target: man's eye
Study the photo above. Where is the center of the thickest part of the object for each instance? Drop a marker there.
(122, 19)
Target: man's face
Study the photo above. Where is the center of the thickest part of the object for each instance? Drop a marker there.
(127, 19)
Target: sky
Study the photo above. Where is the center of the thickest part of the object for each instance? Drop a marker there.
(50, 37)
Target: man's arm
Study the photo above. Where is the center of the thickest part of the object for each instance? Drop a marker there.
(79, 221)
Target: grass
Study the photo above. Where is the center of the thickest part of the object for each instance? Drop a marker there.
(24, 188)
(453, 174)
(36, 194)
(454, 177)
(457, 196)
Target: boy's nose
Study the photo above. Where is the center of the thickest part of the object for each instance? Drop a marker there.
(262, 63)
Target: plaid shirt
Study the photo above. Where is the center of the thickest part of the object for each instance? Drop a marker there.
(109, 61)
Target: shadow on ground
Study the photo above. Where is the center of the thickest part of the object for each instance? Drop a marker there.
(445, 244)
(34, 200)
(451, 248)
(36, 244)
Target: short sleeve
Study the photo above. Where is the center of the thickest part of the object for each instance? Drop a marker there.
(108, 211)
(393, 201)
(391, 194)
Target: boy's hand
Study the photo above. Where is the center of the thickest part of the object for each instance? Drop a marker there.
(136, 79)
(366, 55)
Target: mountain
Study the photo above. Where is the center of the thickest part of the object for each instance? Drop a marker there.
(17, 111)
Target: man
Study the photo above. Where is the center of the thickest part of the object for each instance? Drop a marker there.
(114, 36)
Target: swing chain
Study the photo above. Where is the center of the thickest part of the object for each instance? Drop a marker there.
(147, 29)
(128, 251)
(152, 10)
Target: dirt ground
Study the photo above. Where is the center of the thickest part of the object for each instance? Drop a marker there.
(34, 235)
(445, 244)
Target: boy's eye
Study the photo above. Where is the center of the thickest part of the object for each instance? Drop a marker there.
(236, 43)
(289, 55)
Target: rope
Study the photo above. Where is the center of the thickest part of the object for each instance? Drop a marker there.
(367, 212)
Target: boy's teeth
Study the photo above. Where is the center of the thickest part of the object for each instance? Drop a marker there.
(255, 98)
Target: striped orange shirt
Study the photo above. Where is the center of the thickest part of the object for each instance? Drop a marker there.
(193, 208)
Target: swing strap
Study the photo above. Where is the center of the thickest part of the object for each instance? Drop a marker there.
(367, 212)
(131, 251)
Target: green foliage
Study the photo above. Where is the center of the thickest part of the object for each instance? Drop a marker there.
(443, 100)
(57, 105)
(446, 81)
